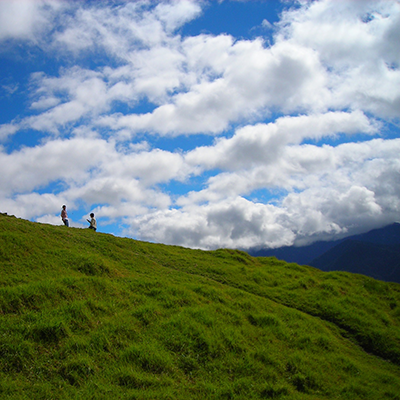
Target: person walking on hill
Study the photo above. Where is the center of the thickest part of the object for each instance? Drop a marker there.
(92, 222)
(64, 215)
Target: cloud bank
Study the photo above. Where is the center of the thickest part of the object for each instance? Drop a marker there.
(298, 138)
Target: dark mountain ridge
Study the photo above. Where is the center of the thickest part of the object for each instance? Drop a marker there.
(375, 253)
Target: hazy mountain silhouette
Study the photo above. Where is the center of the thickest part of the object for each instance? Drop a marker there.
(375, 253)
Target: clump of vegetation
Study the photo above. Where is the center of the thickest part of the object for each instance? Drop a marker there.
(87, 315)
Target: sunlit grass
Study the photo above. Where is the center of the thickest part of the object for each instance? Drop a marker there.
(86, 315)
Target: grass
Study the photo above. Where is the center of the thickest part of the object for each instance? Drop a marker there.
(86, 315)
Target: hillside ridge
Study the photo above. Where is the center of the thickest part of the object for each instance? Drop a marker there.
(83, 310)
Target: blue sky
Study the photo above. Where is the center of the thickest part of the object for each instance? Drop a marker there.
(205, 124)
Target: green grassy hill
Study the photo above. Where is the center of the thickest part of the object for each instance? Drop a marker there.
(86, 315)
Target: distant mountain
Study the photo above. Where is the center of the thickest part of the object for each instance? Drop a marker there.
(300, 255)
(378, 261)
(389, 234)
(375, 253)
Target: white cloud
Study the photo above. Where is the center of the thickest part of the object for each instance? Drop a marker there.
(242, 80)
(156, 72)
(7, 130)
(10, 88)
(32, 204)
(113, 29)
(332, 190)
(176, 15)
(35, 167)
(345, 33)
(266, 24)
(233, 223)
(121, 29)
(87, 170)
(75, 94)
(358, 41)
(151, 167)
(264, 143)
(332, 72)
(22, 19)
(204, 84)
(116, 192)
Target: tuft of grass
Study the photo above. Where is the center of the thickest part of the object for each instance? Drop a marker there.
(93, 316)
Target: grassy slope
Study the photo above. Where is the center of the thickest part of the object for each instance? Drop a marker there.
(86, 315)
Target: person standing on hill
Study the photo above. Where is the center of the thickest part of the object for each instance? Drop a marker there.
(92, 222)
(64, 215)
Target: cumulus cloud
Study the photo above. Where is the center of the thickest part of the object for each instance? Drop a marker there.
(358, 42)
(25, 19)
(225, 223)
(204, 84)
(120, 30)
(35, 167)
(266, 24)
(277, 172)
(334, 191)
(244, 78)
(7, 130)
(264, 143)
